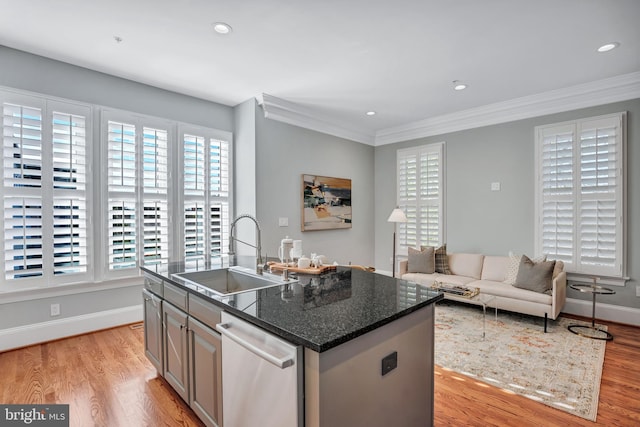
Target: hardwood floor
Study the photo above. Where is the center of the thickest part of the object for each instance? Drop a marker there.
(107, 381)
(103, 376)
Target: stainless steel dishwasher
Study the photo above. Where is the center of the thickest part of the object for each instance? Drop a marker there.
(261, 377)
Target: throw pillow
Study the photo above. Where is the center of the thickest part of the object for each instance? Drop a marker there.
(514, 265)
(422, 261)
(442, 260)
(535, 276)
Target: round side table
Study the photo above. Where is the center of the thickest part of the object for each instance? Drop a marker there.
(592, 331)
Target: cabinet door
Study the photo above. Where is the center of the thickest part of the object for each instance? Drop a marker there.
(205, 382)
(153, 329)
(176, 362)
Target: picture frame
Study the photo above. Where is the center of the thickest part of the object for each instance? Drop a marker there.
(326, 203)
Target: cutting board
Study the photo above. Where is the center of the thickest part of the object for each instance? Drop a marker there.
(278, 266)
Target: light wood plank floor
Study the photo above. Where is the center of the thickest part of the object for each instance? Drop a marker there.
(107, 381)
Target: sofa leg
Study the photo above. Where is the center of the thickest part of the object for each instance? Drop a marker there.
(545, 323)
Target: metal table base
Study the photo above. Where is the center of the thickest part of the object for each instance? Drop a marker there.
(582, 329)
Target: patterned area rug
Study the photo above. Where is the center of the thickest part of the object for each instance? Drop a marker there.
(559, 368)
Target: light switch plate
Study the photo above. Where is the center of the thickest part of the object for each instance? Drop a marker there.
(283, 222)
(495, 186)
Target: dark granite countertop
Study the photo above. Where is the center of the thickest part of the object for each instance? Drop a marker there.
(318, 312)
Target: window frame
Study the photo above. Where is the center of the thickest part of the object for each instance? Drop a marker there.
(616, 274)
(432, 148)
(48, 106)
(207, 199)
(97, 275)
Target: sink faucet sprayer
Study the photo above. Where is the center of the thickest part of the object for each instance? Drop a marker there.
(257, 246)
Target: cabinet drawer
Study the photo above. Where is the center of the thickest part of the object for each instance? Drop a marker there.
(205, 311)
(153, 284)
(175, 296)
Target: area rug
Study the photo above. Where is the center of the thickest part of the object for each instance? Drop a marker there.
(559, 368)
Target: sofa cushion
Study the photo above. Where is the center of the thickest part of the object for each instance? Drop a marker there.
(514, 265)
(533, 276)
(495, 268)
(501, 289)
(421, 261)
(469, 265)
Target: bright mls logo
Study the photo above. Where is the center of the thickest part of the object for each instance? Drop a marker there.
(34, 415)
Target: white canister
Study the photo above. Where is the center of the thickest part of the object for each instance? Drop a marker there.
(284, 251)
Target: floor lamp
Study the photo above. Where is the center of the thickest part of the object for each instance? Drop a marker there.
(396, 216)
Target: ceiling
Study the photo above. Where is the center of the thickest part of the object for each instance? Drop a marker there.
(337, 59)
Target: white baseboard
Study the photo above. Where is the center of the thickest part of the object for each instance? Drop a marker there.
(614, 313)
(23, 336)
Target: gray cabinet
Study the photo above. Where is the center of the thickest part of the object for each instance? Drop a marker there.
(153, 329)
(205, 373)
(185, 348)
(176, 360)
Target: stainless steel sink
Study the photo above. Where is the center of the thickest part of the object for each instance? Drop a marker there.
(232, 280)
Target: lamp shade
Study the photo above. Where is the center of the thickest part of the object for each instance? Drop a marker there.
(397, 216)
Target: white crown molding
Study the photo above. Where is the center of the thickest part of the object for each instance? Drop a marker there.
(294, 114)
(606, 91)
(614, 89)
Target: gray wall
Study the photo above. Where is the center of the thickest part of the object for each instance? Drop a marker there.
(21, 70)
(481, 221)
(284, 153)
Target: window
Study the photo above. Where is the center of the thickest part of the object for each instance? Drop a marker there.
(421, 195)
(154, 191)
(137, 191)
(44, 191)
(143, 165)
(580, 194)
(206, 192)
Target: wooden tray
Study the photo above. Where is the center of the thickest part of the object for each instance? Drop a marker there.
(278, 266)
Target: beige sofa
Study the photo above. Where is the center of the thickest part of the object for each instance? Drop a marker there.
(489, 273)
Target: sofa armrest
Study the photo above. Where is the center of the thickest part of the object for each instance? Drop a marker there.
(403, 267)
(558, 294)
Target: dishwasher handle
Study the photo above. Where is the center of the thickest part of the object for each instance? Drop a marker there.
(282, 363)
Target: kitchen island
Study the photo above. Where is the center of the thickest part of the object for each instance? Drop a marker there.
(366, 341)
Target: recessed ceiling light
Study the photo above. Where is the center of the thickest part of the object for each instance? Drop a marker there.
(458, 85)
(370, 113)
(607, 47)
(221, 28)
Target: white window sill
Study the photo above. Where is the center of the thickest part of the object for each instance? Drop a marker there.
(602, 280)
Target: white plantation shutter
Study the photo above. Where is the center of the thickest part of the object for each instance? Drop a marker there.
(121, 224)
(155, 204)
(600, 181)
(194, 231)
(421, 195)
(45, 196)
(580, 194)
(121, 186)
(194, 164)
(70, 239)
(558, 193)
(206, 189)
(219, 185)
(138, 184)
(23, 237)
